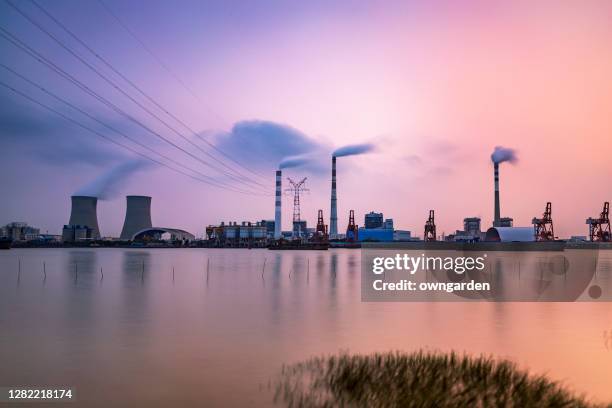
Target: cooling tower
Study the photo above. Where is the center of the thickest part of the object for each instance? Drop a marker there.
(84, 213)
(277, 205)
(496, 211)
(333, 218)
(137, 216)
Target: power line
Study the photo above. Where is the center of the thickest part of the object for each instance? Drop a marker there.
(239, 178)
(217, 183)
(67, 118)
(136, 87)
(150, 52)
(58, 70)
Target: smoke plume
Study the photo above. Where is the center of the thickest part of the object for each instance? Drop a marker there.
(503, 154)
(107, 185)
(294, 161)
(355, 149)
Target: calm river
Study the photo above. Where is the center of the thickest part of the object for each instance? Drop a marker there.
(211, 327)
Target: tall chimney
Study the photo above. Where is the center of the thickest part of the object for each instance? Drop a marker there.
(137, 216)
(277, 206)
(333, 218)
(497, 217)
(84, 212)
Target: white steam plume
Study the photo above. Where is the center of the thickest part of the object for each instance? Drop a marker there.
(107, 185)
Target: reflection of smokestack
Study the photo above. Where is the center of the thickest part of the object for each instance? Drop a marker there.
(333, 219)
(277, 205)
(137, 216)
(497, 217)
(84, 213)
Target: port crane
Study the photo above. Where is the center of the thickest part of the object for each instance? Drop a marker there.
(543, 227)
(352, 231)
(599, 228)
(430, 228)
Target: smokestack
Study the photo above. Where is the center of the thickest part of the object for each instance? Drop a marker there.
(84, 212)
(137, 216)
(277, 205)
(333, 219)
(496, 211)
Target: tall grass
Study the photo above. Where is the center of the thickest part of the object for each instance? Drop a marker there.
(420, 379)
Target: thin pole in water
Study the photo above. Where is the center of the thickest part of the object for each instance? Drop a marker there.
(76, 272)
(101, 274)
(207, 268)
(44, 271)
(142, 271)
(264, 268)
(18, 269)
(173, 274)
(307, 269)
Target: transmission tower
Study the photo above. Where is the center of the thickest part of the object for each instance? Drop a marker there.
(297, 188)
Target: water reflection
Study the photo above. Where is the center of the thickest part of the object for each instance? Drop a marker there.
(226, 325)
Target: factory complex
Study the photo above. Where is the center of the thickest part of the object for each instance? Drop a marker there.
(138, 229)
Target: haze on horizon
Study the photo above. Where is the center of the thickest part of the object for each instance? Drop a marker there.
(434, 85)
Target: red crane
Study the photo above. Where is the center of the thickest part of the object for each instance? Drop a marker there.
(543, 227)
(352, 231)
(430, 228)
(599, 228)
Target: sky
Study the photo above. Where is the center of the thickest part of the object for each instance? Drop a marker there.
(224, 91)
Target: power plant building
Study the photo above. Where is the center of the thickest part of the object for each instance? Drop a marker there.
(243, 235)
(510, 234)
(19, 231)
(137, 216)
(373, 220)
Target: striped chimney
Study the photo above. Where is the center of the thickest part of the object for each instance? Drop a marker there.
(333, 219)
(277, 205)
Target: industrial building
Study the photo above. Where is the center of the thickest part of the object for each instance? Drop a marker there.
(234, 235)
(75, 233)
(156, 234)
(137, 216)
(19, 231)
(373, 220)
(471, 231)
(379, 229)
(510, 234)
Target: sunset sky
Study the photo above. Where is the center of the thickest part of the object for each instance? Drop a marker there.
(434, 85)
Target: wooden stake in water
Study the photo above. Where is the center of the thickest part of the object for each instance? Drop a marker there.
(18, 269)
(44, 271)
(101, 274)
(264, 268)
(173, 274)
(307, 269)
(207, 268)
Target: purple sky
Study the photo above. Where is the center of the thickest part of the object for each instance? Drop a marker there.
(435, 85)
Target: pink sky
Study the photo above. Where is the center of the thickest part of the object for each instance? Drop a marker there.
(436, 86)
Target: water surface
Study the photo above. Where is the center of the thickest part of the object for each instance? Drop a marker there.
(210, 327)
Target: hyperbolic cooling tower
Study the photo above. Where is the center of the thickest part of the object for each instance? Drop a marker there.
(137, 216)
(333, 218)
(84, 213)
(277, 205)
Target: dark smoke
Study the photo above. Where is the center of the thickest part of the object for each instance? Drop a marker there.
(355, 149)
(503, 154)
(294, 161)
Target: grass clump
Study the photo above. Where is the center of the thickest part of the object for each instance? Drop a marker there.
(420, 379)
